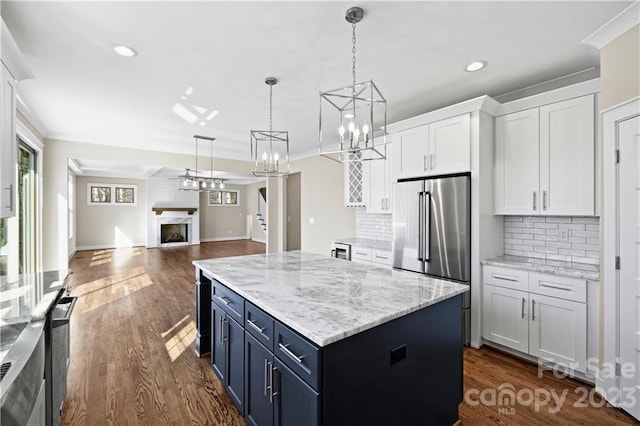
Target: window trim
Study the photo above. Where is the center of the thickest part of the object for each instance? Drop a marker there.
(223, 199)
(113, 187)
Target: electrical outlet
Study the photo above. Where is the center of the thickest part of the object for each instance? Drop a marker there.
(564, 235)
(312, 220)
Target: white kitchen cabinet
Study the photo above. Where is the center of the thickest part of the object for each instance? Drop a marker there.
(558, 331)
(441, 147)
(8, 144)
(548, 320)
(505, 317)
(377, 184)
(545, 160)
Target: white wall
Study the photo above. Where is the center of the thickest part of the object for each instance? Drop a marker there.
(108, 226)
(219, 223)
(620, 68)
(322, 199)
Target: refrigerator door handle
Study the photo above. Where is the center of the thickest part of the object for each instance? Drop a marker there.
(426, 236)
(420, 225)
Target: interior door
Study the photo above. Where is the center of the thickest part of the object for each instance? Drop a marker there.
(629, 234)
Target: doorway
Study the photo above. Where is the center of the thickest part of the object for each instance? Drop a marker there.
(294, 205)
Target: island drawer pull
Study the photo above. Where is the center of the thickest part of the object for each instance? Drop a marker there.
(504, 278)
(256, 327)
(266, 386)
(223, 300)
(555, 287)
(286, 350)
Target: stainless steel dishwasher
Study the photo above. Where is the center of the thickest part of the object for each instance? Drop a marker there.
(57, 357)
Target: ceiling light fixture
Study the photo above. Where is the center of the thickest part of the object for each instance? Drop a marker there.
(123, 50)
(476, 66)
(270, 148)
(193, 181)
(362, 105)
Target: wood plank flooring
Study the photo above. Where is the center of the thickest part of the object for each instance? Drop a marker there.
(133, 359)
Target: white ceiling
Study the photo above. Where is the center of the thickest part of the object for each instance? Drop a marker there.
(414, 51)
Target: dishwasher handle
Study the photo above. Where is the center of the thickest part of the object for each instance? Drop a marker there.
(59, 322)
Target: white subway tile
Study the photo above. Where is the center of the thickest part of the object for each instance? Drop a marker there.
(546, 225)
(590, 220)
(572, 226)
(572, 252)
(548, 250)
(587, 234)
(588, 260)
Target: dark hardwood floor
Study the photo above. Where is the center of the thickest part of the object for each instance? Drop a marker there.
(133, 359)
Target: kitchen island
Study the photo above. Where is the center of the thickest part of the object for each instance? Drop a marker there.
(299, 338)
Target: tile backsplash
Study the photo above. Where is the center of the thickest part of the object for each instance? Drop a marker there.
(570, 239)
(375, 226)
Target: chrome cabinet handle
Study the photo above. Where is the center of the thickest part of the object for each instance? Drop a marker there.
(274, 392)
(544, 200)
(256, 327)
(425, 163)
(225, 336)
(222, 299)
(504, 278)
(286, 350)
(220, 330)
(431, 161)
(523, 301)
(534, 200)
(555, 287)
(270, 386)
(266, 383)
(10, 189)
(533, 309)
(381, 257)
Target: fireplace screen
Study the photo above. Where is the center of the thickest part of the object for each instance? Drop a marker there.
(174, 233)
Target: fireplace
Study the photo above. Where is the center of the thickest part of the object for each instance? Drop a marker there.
(174, 233)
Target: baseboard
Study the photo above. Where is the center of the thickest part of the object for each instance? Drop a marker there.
(259, 240)
(75, 250)
(210, 240)
(107, 246)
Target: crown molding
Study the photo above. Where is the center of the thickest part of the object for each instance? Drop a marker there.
(617, 26)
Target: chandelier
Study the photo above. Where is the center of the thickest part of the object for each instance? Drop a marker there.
(270, 148)
(193, 181)
(349, 115)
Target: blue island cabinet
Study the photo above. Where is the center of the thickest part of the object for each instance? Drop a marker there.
(406, 371)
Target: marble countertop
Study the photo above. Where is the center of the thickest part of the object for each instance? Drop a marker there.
(26, 299)
(326, 299)
(567, 269)
(366, 243)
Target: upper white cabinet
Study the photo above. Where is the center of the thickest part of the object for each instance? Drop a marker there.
(8, 144)
(441, 147)
(545, 160)
(377, 184)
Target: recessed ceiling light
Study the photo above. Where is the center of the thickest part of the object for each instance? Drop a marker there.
(476, 66)
(123, 50)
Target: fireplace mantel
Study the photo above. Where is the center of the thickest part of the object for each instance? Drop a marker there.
(159, 210)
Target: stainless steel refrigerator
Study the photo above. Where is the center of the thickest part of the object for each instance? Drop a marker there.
(432, 230)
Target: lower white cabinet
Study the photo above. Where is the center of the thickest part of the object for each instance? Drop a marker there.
(553, 329)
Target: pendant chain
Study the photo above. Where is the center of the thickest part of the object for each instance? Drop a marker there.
(353, 50)
(270, 108)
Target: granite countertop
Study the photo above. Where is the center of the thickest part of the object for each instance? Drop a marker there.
(26, 299)
(326, 299)
(557, 267)
(366, 243)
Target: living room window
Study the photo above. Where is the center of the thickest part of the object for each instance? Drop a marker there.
(119, 194)
(228, 197)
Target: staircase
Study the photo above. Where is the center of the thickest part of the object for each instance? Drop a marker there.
(262, 208)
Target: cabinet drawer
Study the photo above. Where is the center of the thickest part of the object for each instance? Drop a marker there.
(562, 287)
(382, 256)
(505, 277)
(297, 353)
(229, 301)
(359, 254)
(259, 324)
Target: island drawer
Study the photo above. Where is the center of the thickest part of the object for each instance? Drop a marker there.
(562, 287)
(230, 302)
(259, 324)
(505, 277)
(297, 353)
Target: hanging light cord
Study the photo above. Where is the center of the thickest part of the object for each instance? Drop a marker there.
(353, 50)
(270, 127)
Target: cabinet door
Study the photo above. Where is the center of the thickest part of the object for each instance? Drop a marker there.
(410, 152)
(234, 336)
(218, 344)
(8, 145)
(505, 317)
(558, 331)
(295, 403)
(567, 150)
(258, 399)
(449, 146)
(516, 169)
(375, 185)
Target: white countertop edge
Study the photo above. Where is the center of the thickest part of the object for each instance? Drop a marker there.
(528, 264)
